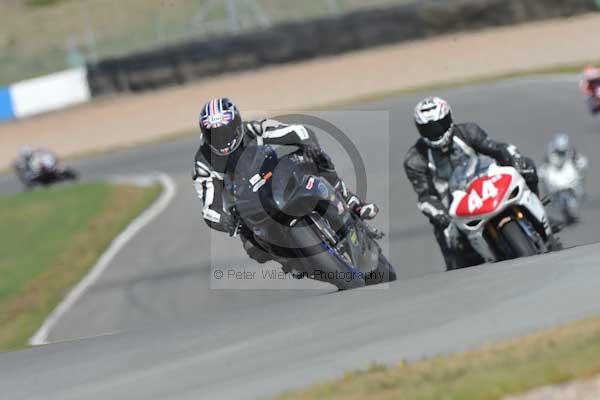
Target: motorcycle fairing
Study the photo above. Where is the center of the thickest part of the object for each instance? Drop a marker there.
(484, 195)
(561, 178)
(517, 193)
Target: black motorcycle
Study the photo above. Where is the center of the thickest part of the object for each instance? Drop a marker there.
(302, 221)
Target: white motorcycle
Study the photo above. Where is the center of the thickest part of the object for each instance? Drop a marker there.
(563, 182)
(494, 209)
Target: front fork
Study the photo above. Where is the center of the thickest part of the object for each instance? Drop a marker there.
(490, 244)
(493, 229)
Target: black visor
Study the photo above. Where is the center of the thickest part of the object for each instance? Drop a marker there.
(561, 153)
(434, 131)
(224, 139)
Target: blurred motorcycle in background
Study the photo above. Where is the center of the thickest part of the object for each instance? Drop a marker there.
(562, 180)
(41, 167)
(590, 86)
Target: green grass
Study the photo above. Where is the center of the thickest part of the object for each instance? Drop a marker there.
(50, 238)
(43, 3)
(489, 373)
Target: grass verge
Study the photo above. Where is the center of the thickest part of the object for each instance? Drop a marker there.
(492, 372)
(50, 239)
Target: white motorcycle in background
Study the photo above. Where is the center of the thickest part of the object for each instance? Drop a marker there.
(562, 181)
(492, 207)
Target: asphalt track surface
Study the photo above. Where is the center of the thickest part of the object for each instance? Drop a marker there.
(154, 328)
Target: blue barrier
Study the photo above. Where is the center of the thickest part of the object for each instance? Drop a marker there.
(6, 107)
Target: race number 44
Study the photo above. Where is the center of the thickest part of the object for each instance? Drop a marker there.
(488, 191)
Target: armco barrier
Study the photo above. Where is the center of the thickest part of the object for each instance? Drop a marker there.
(304, 40)
(43, 94)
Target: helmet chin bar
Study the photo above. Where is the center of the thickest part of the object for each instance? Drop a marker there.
(231, 148)
(442, 143)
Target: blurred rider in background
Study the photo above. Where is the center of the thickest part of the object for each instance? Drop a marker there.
(40, 166)
(430, 163)
(560, 150)
(562, 176)
(223, 138)
(26, 166)
(590, 86)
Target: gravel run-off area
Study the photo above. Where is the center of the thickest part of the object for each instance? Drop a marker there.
(128, 119)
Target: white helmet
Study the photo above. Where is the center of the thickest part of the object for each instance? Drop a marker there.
(558, 149)
(561, 144)
(433, 118)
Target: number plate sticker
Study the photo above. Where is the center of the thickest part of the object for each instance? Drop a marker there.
(484, 195)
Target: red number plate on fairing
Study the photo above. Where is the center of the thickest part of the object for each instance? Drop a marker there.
(484, 195)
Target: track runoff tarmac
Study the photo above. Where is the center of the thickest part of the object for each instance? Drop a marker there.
(151, 327)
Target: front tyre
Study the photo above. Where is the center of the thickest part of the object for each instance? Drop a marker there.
(325, 264)
(384, 272)
(519, 243)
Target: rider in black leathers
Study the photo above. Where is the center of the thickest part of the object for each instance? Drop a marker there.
(224, 136)
(430, 162)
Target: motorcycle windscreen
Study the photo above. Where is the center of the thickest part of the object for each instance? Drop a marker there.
(252, 183)
(484, 195)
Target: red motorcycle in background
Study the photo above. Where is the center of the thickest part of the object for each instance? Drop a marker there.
(590, 86)
(594, 100)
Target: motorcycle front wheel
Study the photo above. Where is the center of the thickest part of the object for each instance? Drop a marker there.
(519, 243)
(325, 264)
(384, 272)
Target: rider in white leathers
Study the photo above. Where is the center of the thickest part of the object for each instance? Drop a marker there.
(562, 176)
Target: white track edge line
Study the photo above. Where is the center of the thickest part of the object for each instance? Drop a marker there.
(169, 191)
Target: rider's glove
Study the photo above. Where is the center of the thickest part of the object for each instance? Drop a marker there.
(435, 210)
(522, 165)
(441, 220)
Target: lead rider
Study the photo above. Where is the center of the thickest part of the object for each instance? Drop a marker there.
(430, 163)
(224, 136)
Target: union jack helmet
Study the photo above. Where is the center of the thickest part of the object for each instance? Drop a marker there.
(433, 118)
(221, 126)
